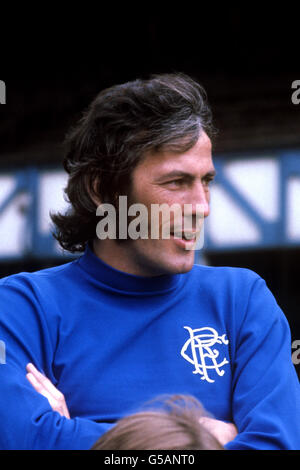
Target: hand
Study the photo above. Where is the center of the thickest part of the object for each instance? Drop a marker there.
(223, 432)
(46, 388)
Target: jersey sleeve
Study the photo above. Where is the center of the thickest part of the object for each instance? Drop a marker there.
(265, 387)
(27, 421)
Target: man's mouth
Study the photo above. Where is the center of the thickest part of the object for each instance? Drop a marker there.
(185, 235)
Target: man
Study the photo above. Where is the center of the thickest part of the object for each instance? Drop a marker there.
(134, 318)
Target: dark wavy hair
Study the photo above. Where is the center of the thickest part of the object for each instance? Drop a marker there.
(164, 112)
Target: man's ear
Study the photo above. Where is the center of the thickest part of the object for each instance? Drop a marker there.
(94, 192)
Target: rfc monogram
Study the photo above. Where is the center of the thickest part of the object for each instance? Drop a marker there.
(198, 351)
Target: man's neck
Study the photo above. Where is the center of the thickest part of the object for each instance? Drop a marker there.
(115, 255)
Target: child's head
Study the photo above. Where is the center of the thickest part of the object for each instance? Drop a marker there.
(173, 426)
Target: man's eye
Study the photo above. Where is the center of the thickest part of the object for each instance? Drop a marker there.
(175, 182)
(208, 181)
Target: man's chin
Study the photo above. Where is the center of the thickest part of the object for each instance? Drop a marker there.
(183, 269)
(180, 266)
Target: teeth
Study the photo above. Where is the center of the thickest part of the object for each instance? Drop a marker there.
(187, 236)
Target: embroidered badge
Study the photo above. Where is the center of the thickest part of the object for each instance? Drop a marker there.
(198, 351)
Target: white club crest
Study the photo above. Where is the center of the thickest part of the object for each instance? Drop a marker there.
(201, 354)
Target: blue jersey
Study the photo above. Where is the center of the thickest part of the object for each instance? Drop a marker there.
(111, 341)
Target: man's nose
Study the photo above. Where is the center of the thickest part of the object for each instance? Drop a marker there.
(200, 200)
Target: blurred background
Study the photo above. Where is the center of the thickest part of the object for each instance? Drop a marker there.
(246, 59)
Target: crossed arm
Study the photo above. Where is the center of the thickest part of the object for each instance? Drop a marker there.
(223, 432)
(46, 388)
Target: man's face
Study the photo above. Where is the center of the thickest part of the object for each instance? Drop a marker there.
(169, 178)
